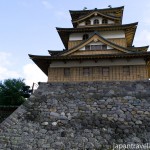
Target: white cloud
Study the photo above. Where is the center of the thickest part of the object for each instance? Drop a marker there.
(30, 72)
(47, 4)
(5, 65)
(33, 74)
(6, 73)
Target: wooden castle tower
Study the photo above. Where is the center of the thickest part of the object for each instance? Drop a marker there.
(97, 48)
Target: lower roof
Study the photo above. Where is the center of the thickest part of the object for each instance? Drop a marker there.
(43, 62)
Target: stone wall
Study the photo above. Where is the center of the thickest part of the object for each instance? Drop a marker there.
(80, 116)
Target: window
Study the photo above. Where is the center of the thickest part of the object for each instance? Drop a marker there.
(104, 21)
(96, 21)
(95, 47)
(87, 47)
(105, 71)
(104, 46)
(85, 36)
(126, 70)
(86, 71)
(66, 72)
(88, 22)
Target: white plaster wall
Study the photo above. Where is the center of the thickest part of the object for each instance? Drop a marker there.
(105, 34)
(99, 18)
(82, 24)
(108, 47)
(112, 34)
(101, 62)
(76, 36)
(110, 22)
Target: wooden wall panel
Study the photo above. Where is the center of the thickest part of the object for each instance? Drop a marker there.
(96, 74)
(72, 44)
(93, 52)
(121, 42)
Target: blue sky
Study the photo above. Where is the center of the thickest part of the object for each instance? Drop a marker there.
(28, 27)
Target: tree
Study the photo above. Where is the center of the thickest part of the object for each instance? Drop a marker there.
(13, 92)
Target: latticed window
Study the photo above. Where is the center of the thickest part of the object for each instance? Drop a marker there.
(104, 47)
(96, 21)
(95, 47)
(85, 36)
(67, 72)
(87, 47)
(86, 71)
(88, 22)
(105, 71)
(126, 70)
(104, 21)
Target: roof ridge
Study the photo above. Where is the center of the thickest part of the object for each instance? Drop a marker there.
(121, 7)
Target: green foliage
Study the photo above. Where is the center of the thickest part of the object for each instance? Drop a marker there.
(13, 92)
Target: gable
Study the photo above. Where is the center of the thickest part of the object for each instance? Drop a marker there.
(97, 40)
(96, 15)
(95, 48)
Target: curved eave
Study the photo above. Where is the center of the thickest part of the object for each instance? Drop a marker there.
(42, 62)
(54, 52)
(83, 29)
(139, 49)
(48, 59)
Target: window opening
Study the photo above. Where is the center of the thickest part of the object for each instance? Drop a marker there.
(104, 21)
(126, 70)
(66, 72)
(105, 71)
(86, 71)
(88, 22)
(85, 36)
(96, 21)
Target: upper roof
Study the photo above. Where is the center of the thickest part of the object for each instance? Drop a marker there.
(115, 13)
(96, 37)
(129, 29)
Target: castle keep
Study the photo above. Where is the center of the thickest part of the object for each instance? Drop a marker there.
(68, 114)
(97, 48)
